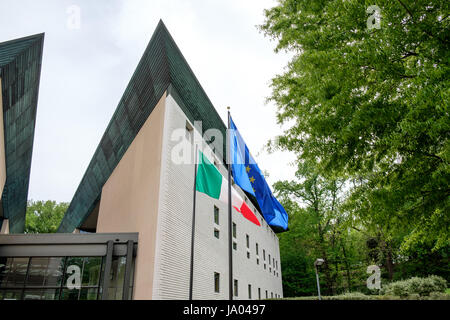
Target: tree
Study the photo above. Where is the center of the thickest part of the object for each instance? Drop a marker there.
(316, 231)
(372, 105)
(44, 217)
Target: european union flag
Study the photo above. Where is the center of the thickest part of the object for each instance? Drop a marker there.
(249, 177)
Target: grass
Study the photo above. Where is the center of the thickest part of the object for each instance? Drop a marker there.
(361, 296)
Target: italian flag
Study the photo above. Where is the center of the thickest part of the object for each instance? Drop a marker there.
(211, 182)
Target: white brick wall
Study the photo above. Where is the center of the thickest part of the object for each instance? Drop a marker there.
(172, 260)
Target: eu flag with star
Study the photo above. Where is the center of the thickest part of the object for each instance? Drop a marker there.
(249, 177)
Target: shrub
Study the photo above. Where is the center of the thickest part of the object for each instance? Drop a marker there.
(416, 286)
(350, 296)
(439, 296)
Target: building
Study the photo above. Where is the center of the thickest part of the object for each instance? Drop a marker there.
(135, 204)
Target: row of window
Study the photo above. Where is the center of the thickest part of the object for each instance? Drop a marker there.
(272, 261)
(236, 288)
(59, 278)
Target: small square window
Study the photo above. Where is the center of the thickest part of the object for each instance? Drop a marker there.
(248, 254)
(189, 132)
(216, 215)
(216, 233)
(216, 282)
(234, 245)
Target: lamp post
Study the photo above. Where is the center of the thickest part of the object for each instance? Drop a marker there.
(318, 262)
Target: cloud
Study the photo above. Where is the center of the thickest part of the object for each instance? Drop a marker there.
(85, 72)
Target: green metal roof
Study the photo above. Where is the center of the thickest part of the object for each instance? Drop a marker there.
(20, 70)
(162, 67)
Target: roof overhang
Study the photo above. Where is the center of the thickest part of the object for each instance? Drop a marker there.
(161, 69)
(20, 69)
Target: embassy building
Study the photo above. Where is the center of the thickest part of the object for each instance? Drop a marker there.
(128, 231)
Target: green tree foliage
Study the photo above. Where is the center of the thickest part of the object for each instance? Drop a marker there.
(366, 112)
(372, 105)
(317, 229)
(44, 216)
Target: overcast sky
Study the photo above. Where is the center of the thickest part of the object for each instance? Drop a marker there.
(85, 71)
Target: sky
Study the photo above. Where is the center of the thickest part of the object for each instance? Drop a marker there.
(88, 62)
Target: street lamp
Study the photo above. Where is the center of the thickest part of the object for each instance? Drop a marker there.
(318, 262)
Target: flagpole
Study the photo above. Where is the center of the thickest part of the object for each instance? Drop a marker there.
(191, 275)
(230, 232)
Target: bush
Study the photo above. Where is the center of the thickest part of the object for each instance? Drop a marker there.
(350, 296)
(439, 296)
(416, 286)
(361, 296)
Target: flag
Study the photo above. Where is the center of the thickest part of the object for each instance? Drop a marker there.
(249, 177)
(211, 182)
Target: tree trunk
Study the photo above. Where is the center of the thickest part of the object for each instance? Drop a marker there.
(347, 268)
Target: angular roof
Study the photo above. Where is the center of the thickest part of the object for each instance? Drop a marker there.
(20, 70)
(162, 67)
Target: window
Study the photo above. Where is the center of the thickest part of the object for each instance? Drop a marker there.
(273, 262)
(247, 239)
(264, 255)
(49, 278)
(216, 233)
(248, 254)
(234, 230)
(216, 282)
(269, 259)
(235, 288)
(267, 295)
(249, 291)
(257, 260)
(234, 245)
(216, 215)
(265, 266)
(71, 276)
(189, 132)
(271, 295)
(270, 269)
(257, 249)
(259, 293)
